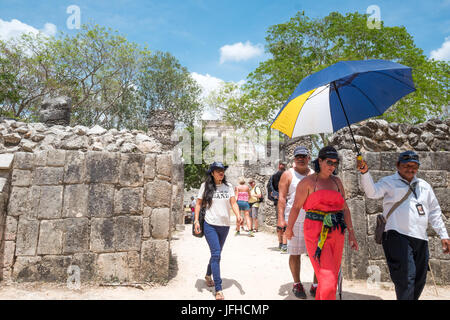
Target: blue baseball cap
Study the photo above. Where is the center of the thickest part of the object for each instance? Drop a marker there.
(301, 150)
(216, 165)
(409, 156)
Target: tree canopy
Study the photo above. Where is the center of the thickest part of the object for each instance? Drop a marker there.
(302, 46)
(111, 81)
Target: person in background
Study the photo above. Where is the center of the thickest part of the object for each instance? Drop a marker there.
(254, 201)
(243, 194)
(327, 217)
(192, 205)
(217, 196)
(287, 189)
(405, 240)
(272, 193)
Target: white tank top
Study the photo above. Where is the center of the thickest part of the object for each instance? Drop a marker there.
(296, 178)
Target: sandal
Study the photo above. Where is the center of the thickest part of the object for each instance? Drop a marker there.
(219, 295)
(209, 281)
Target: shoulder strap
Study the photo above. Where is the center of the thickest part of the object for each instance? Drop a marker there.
(334, 180)
(395, 206)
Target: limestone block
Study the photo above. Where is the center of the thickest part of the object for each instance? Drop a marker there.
(19, 201)
(75, 201)
(147, 212)
(164, 164)
(56, 158)
(375, 250)
(8, 254)
(350, 181)
(54, 268)
(74, 169)
(6, 161)
(21, 178)
(113, 267)
(443, 196)
(48, 176)
(27, 237)
(158, 193)
(388, 160)
(50, 203)
(373, 160)
(100, 200)
(96, 130)
(150, 166)
(160, 222)
(127, 233)
(102, 167)
(26, 268)
(10, 228)
(76, 235)
(435, 178)
(50, 237)
(75, 143)
(129, 201)
(146, 228)
(155, 255)
(134, 264)
(87, 264)
(3, 184)
(23, 160)
(102, 235)
(132, 170)
(40, 158)
(371, 224)
(373, 205)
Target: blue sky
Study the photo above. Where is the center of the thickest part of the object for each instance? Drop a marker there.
(195, 30)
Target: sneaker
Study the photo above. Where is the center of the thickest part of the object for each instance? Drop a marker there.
(237, 233)
(313, 290)
(298, 291)
(283, 248)
(251, 234)
(279, 246)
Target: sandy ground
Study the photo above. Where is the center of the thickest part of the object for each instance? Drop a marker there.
(252, 269)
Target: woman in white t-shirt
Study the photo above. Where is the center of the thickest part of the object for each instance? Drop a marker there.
(218, 197)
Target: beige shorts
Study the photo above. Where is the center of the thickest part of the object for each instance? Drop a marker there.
(296, 246)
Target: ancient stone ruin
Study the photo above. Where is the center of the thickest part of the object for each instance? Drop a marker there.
(93, 198)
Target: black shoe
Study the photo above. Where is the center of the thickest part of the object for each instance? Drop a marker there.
(298, 291)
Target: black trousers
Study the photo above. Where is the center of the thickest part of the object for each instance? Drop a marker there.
(407, 259)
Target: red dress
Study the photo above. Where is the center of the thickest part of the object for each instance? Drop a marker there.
(330, 259)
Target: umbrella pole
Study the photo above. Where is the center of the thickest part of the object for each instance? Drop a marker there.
(346, 118)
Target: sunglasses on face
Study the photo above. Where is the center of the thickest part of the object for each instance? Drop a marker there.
(409, 157)
(301, 156)
(332, 163)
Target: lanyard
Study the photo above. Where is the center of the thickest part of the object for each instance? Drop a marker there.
(411, 186)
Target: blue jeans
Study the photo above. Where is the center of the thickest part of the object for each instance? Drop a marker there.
(215, 236)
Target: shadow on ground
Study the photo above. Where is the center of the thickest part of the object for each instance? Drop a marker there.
(286, 291)
(200, 284)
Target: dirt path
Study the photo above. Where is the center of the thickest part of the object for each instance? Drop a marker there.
(252, 269)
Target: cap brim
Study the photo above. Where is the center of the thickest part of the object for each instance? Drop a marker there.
(410, 160)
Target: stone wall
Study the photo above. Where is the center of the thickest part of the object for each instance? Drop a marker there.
(381, 144)
(90, 197)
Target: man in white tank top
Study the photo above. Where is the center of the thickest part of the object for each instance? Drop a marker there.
(287, 187)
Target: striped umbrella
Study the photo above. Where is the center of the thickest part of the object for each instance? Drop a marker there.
(344, 93)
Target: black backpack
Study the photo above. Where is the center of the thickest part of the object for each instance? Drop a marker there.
(271, 193)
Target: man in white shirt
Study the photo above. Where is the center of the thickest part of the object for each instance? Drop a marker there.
(405, 240)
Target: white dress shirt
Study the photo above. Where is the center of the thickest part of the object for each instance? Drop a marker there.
(405, 219)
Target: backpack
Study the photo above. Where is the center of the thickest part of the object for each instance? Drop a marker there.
(262, 195)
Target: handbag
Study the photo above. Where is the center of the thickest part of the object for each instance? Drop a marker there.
(201, 220)
(381, 220)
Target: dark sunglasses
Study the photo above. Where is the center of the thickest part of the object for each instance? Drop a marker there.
(409, 157)
(332, 163)
(301, 156)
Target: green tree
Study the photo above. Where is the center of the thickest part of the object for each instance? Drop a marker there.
(303, 46)
(194, 173)
(165, 84)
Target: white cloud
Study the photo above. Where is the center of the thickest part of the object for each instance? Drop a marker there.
(443, 53)
(240, 51)
(14, 28)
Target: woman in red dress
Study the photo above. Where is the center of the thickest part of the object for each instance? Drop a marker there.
(327, 216)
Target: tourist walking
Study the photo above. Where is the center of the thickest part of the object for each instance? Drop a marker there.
(216, 195)
(405, 239)
(243, 194)
(255, 199)
(287, 189)
(272, 194)
(327, 216)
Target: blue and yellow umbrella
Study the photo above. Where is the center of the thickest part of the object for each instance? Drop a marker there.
(344, 93)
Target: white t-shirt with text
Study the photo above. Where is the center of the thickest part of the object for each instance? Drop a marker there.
(219, 212)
